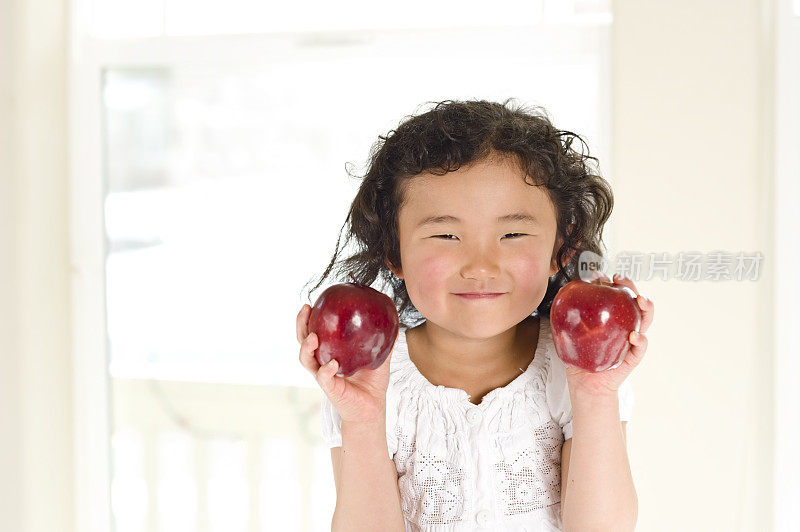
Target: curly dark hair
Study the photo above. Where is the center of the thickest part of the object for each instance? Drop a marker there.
(441, 140)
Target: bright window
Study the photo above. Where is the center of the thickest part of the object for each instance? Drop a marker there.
(220, 155)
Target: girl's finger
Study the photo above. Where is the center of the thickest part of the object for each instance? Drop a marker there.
(638, 347)
(307, 358)
(645, 305)
(302, 323)
(326, 376)
(648, 308)
(624, 281)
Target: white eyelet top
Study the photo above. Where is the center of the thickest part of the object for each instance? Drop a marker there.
(491, 466)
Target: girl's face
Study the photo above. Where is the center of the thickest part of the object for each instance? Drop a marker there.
(478, 229)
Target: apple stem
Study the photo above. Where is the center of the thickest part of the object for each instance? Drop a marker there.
(353, 278)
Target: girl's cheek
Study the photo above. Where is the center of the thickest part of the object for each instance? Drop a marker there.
(531, 276)
(431, 272)
(426, 282)
(529, 269)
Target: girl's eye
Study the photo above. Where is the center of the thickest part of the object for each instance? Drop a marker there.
(449, 237)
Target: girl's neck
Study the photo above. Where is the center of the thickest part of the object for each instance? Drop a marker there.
(473, 365)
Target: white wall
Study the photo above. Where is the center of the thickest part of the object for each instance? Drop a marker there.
(689, 141)
(35, 369)
(9, 367)
(787, 253)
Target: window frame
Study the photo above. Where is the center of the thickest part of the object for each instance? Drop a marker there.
(88, 58)
(785, 225)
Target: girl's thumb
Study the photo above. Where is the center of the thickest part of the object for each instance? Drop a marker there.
(326, 373)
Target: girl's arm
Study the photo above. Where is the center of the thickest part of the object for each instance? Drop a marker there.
(599, 487)
(367, 495)
(600, 494)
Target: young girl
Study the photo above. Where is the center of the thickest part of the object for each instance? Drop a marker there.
(474, 214)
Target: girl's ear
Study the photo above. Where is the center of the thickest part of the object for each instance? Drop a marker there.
(553, 259)
(397, 272)
(554, 266)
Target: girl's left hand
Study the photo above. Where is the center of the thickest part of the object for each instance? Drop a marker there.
(608, 382)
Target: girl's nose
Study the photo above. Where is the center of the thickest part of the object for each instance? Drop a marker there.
(480, 265)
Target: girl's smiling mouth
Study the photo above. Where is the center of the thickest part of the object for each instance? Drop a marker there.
(480, 295)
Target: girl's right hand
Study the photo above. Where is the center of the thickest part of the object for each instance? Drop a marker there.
(359, 398)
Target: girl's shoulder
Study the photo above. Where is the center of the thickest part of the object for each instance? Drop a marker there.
(402, 371)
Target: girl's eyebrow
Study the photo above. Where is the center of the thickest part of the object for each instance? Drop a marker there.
(445, 218)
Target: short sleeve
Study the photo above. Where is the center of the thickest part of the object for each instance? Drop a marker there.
(558, 401)
(625, 394)
(331, 423)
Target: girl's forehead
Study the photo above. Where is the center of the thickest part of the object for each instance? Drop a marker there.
(481, 188)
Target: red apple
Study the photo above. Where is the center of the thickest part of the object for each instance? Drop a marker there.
(356, 325)
(591, 321)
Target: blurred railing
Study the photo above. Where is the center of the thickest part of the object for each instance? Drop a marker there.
(210, 457)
